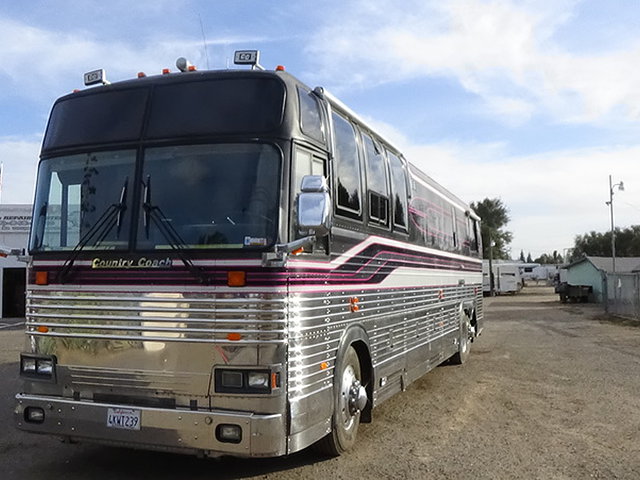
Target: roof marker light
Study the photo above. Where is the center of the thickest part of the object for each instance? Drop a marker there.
(166, 71)
(280, 68)
(141, 74)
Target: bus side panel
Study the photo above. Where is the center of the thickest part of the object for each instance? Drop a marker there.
(409, 309)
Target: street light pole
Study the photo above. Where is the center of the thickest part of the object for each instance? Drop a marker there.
(613, 233)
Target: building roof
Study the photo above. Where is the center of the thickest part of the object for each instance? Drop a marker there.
(623, 264)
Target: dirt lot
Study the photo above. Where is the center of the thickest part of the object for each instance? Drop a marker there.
(551, 391)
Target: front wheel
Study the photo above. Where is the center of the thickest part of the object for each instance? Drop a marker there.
(350, 397)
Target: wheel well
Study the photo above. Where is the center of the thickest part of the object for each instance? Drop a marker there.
(367, 377)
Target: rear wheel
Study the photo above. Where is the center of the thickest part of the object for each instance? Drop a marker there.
(350, 397)
(464, 339)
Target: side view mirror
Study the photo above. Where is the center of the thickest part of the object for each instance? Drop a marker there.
(314, 206)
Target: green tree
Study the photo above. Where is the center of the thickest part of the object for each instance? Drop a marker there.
(599, 244)
(529, 259)
(549, 259)
(522, 256)
(495, 217)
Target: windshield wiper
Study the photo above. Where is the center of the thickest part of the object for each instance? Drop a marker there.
(153, 213)
(111, 217)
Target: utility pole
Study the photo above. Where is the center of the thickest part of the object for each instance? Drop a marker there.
(491, 283)
(620, 186)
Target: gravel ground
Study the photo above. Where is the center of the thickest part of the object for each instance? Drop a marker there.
(550, 391)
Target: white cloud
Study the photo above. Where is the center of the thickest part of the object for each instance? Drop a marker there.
(19, 157)
(500, 50)
(43, 64)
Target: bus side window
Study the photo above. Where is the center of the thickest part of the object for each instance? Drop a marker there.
(377, 184)
(399, 192)
(348, 173)
(477, 239)
(310, 117)
(461, 239)
(305, 164)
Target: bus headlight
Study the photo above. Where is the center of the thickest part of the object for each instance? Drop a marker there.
(28, 365)
(258, 380)
(244, 381)
(42, 367)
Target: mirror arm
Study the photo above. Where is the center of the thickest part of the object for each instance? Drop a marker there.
(278, 257)
(284, 248)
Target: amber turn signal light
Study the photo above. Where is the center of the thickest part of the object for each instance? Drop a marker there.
(236, 278)
(42, 278)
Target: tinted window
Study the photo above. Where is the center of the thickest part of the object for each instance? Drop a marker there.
(76, 200)
(399, 191)
(376, 171)
(348, 165)
(106, 116)
(305, 164)
(210, 196)
(376, 180)
(431, 215)
(231, 105)
(310, 118)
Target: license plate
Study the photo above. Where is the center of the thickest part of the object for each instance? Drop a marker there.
(124, 418)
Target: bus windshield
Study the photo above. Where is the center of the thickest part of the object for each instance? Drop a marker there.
(206, 196)
(211, 196)
(83, 198)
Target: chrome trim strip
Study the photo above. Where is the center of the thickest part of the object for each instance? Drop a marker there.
(145, 338)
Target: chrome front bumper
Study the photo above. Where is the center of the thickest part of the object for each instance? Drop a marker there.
(184, 431)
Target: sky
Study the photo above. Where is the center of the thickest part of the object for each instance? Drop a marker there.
(534, 102)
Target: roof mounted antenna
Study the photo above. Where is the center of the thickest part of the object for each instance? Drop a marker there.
(204, 42)
(248, 57)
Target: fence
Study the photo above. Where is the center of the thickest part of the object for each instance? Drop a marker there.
(623, 294)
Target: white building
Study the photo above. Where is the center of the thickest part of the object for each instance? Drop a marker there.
(15, 221)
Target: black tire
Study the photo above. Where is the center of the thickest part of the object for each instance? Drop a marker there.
(464, 340)
(345, 419)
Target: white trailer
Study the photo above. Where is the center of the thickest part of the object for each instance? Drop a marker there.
(507, 277)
